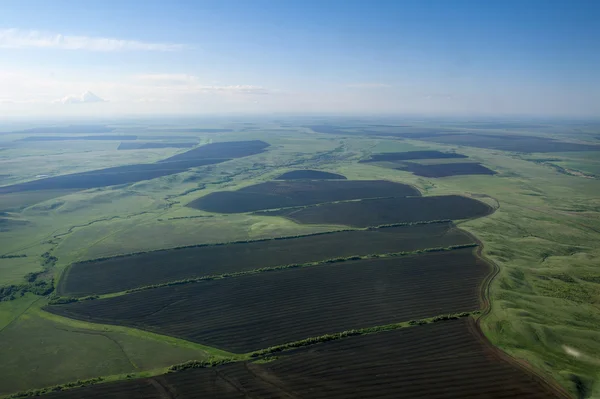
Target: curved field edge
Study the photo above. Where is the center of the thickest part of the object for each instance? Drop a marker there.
(487, 309)
(213, 352)
(255, 356)
(266, 353)
(40, 349)
(485, 299)
(289, 213)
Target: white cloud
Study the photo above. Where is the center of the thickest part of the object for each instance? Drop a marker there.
(16, 38)
(85, 98)
(36, 88)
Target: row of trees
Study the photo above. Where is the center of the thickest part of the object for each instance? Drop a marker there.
(297, 265)
(56, 388)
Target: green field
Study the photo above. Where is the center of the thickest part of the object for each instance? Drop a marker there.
(543, 236)
(40, 349)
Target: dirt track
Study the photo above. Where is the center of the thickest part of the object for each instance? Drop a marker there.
(545, 382)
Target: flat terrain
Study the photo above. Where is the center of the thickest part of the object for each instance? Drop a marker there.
(441, 360)
(228, 149)
(279, 194)
(108, 176)
(446, 169)
(408, 155)
(375, 212)
(503, 142)
(310, 175)
(147, 146)
(70, 129)
(126, 272)
(70, 138)
(251, 312)
(515, 143)
(203, 155)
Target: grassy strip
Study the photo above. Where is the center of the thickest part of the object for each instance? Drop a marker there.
(55, 388)
(265, 239)
(134, 332)
(64, 300)
(357, 332)
(260, 356)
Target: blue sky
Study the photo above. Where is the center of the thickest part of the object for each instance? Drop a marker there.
(427, 57)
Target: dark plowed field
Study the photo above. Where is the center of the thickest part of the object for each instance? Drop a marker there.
(398, 131)
(204, 155)
(66, 138)
(509, 125)
(376, 212)
(228, 149)
(310, 175)
(191, 130)
(446, 169)
(510, 143)
(67, 129)
(281, 194)
(256, 311)
(404, 156)
(148, 146)
(126, 272)
(441, 360)
(108, 176)
(435, 361)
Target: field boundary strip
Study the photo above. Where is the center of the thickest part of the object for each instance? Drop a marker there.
(251, 356)
(382, 226)
(281, 194)
(300, 207)
(105, 328)
(383, 209)
(64, 300)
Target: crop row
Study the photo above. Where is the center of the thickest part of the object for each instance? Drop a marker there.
(380, 211)
(60, 300)
(438, 360)
(260, 310)
(445, 169)
(207, 262)
(281, 194)
(310, 175)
